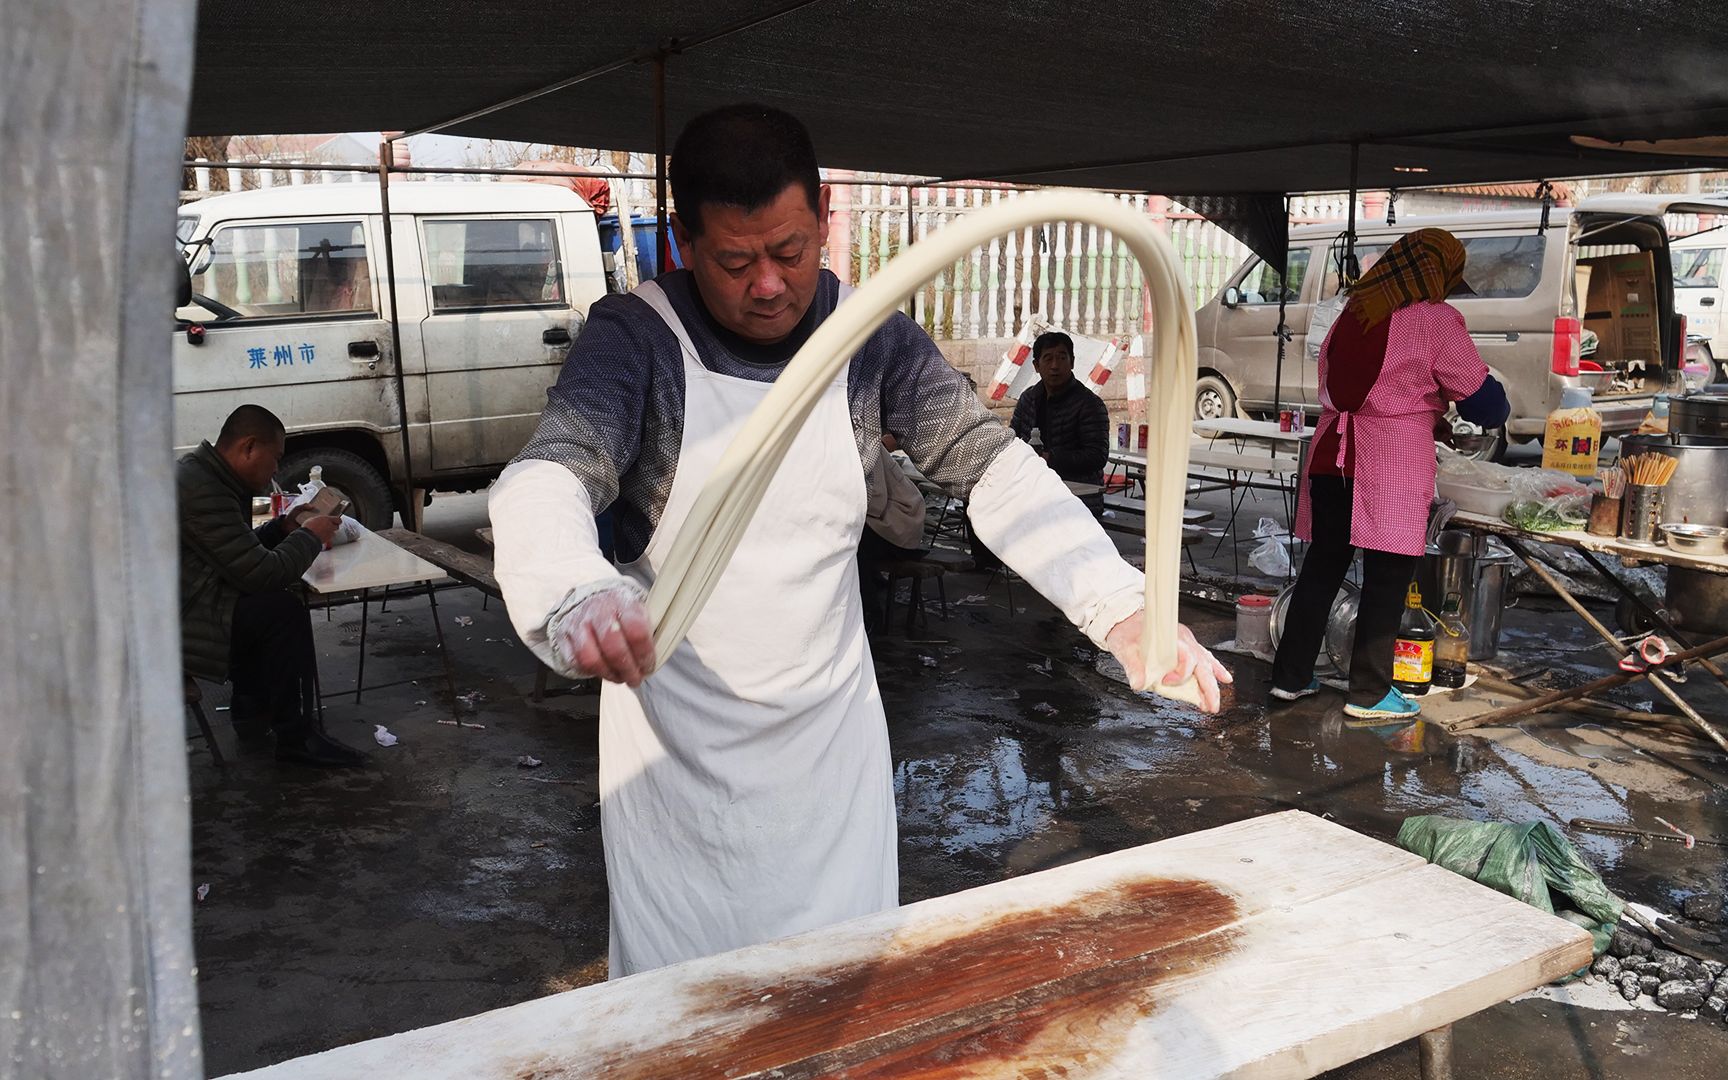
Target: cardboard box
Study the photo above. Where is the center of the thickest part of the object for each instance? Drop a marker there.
(1620, 306)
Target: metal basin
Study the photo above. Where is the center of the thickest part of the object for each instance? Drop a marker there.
(1697, 539)
(1340, 625)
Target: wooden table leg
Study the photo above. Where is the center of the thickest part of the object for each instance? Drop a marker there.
(1436, 1050)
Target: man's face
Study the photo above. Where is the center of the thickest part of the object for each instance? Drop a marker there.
(757, 269)
(255, 462)
(1055, 366)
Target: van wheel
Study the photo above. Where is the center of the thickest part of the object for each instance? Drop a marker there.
(1213, 399)
(348, 473)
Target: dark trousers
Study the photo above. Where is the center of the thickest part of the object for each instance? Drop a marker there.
(873, 551)
(1385, 579)
(271, 662)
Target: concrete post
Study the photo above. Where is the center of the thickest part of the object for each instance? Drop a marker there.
(96, 975)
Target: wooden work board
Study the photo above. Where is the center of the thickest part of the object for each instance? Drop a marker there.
(1280, 946)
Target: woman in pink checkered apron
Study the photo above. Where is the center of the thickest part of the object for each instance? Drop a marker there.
(1397, 354)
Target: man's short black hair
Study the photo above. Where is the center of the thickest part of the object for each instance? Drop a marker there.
(740, 155)
(1049, 339)
(251, 422)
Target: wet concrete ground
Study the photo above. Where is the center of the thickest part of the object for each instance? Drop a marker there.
(448, 880)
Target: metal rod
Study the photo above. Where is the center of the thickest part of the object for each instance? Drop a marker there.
(677, 45)
(325, 166)
(1662, 623)
(661, 262)
(385, 149)
(1283, 322)
(1614, 645)
(1350, 268)
(1613, 829)
(1558, 697)
(586, 170)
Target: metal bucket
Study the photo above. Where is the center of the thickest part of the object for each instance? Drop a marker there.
(1475, 566)
(1698, 493)
(1698, 600)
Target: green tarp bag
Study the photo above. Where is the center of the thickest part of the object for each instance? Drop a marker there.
(1533, 862)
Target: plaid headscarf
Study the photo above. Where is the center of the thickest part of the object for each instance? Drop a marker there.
(1423, 265)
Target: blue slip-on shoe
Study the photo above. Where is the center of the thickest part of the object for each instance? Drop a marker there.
(1394, 705)
(1311, 689)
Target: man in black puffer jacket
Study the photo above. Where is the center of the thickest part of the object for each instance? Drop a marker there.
(238, 618)
(1073, 424)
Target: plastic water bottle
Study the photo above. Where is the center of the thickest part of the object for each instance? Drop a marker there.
(1451, 645)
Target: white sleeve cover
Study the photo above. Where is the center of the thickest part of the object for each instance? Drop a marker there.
(545, 546)
(1025, 514)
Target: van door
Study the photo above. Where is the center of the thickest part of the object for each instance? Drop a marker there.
(500, 324)
(1248, 330)
(1699, 293)
(291, 321)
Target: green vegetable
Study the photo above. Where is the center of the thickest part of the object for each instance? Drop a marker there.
(1540, 517)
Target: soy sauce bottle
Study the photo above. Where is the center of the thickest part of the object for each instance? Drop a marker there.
(1413, 649)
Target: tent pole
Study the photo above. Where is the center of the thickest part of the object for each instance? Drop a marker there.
(1283, 325)
(1348, 271)
(410, 512)
(661, 261)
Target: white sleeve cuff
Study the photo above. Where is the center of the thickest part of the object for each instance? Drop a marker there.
(546, 548)
(1025, 514)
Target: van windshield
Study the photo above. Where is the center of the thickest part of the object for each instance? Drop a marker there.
(184, 228)
(1697, 268)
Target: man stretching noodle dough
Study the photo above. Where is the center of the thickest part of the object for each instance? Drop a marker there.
(745, 786)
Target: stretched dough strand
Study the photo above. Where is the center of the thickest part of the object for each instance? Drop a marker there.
(728, 501)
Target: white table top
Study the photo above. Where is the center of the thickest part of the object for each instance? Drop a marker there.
(1281, 945)
(370, 562)
(1250, 429)
(1607, 545)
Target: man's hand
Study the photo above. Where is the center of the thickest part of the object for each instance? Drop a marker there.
(1191, 659)
(323, 527)
(609, 636)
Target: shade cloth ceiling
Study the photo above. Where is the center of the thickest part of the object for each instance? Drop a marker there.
(1177, 98)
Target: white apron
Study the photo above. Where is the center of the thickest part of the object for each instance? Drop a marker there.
(746, 790)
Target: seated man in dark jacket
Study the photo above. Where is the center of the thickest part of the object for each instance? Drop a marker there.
(238, 619)
(1073, 424)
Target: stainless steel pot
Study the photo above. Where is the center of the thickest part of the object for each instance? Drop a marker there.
(1698, 600)
(1699, 414)
(1475, 566)
(1698, 493)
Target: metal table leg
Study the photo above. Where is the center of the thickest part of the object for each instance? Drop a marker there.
(1436, 1050)
(1614, 645)
(443, 653)
(317, 683)
(1656, 618)
(360, 679)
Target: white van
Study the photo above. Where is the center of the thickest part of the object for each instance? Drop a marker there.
(1701, 294)
(1532, 309)
(291, 310)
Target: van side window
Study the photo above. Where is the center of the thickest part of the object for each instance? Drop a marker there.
(273, 271)
(1697, 268)
(1260, 284)
(493, 263)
